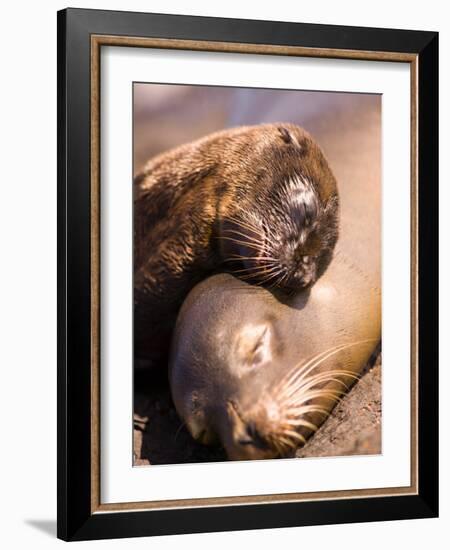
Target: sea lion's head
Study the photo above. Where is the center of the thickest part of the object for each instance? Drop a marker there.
(281, 227)
(233, 374)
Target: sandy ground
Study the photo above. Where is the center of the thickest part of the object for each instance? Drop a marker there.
(353, 428)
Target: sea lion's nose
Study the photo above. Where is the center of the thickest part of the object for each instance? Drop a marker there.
(245, 433)
(257, 443)
(245, 439)
(297, 282)
(253, 437)
(302, 275)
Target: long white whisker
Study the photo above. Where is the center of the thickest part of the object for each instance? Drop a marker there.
(306, 396)
(234, 257)
(303, 422)
(304, 409)
(246, 237)
(254, 270)
(266, 279)
(258, 269)
(270, 273)
(300, 369)
(248, 224)
(302, 384)
(243, 243)
(303, 370)
(294, 435)
(295, 409)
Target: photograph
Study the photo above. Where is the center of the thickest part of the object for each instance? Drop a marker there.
(247, 274)
(256, 273)
(224, 277)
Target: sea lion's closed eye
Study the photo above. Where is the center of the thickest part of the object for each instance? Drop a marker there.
(254, 345)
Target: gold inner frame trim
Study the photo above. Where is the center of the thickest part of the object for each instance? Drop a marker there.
(97, 41)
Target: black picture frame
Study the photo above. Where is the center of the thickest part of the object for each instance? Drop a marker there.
(76, 518)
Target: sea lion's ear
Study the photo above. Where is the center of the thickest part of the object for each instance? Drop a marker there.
(285, 134)
(291, 139)
(255, 345)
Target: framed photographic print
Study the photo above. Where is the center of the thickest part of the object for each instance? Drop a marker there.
(247, 255)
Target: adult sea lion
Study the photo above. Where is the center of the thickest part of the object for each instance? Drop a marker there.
(258, 201)
(258, 372)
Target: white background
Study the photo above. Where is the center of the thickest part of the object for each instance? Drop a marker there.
(119, 481)
(28, 289)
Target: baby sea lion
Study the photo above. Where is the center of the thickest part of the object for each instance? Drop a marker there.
(260, 202)
(258, 373)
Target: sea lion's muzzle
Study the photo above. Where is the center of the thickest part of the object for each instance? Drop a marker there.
(302, 276)
(246, 438)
